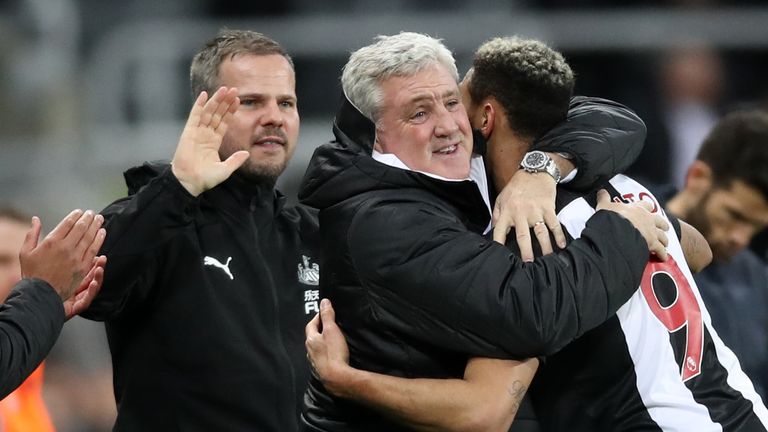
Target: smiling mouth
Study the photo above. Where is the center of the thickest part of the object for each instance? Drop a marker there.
(451, 149)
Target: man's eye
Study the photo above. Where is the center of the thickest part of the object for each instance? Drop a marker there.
(287, 104)
(247, 102)
(420, 114)
(453, 103)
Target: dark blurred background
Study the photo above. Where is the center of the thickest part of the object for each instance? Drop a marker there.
(92, 87)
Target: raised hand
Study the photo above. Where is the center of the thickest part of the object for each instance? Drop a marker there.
(65, 254)
(652, 227)
(528, 201)
(196, 163)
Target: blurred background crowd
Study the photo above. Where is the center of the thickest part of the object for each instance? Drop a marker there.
(92, 87)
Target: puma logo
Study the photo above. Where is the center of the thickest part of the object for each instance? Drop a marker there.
(216, 263)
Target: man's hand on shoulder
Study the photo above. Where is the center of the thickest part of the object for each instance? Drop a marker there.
(528, 201)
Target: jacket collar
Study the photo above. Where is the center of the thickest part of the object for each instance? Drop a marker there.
(233, 192)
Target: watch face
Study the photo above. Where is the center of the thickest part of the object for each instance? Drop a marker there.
(535, 160)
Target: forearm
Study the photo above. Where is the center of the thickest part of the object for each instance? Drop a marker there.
(698, 253)
(30, 323)
(601, 138)
(486, 399)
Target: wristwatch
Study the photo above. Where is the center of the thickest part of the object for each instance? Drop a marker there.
(538, 161)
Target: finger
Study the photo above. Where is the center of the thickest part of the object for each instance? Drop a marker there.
(557, 230)
(542, 235)
(84, 299)
(523, 237)
(86, 282)
(30, 240)
(197, 108)
(312, 329)
(95, 246)
(77, 232)
(206, 115)
(663, 238)
(327, 314)
(496, 214)
(500, 230)
(233, 162)
(222, 108)
(661, 223)
(84, 248)
(645, 205)
(603, 198)
(227, 118)
(65, 226)
(660, 251)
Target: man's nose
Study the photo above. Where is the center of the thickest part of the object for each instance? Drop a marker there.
(741, 236)
(446, 125)
(271, 115)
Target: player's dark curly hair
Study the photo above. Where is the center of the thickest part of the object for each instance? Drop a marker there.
(531, 81)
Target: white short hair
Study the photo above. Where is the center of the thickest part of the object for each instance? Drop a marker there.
(404, 54)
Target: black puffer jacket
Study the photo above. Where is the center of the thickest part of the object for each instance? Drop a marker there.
(417, 289)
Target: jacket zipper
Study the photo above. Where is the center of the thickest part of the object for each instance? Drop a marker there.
(275, 303)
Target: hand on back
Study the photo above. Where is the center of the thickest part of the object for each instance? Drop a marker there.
(652, 226)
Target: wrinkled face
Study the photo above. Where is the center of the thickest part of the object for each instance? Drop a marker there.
(423, 122)
(729, 217)
(11, 238)
(267, 122)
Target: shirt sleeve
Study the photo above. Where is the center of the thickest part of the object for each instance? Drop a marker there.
(141, 229)
(30, 322)
(432, 280)
(603, 138)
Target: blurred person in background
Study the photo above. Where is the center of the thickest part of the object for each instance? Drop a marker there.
(56, 278)
(726, 198)
(24, 409)
(691, 80)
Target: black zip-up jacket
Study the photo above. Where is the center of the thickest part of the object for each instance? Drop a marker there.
(30, 322)
(417, 289)
(205, 301)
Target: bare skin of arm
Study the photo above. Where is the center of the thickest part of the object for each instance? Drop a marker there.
(697, 252)
(487, 398)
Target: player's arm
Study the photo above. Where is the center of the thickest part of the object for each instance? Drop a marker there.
(487, 398)
(600, 138)
(697, 252)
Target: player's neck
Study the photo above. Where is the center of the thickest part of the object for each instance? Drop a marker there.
(505, 152)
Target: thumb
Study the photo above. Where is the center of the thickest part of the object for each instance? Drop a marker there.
(235, 160)
(32, 237)
(327, 314)
(603, 198)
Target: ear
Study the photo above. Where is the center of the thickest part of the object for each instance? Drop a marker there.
(698, 179)
(376, 144)
(488, 119)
